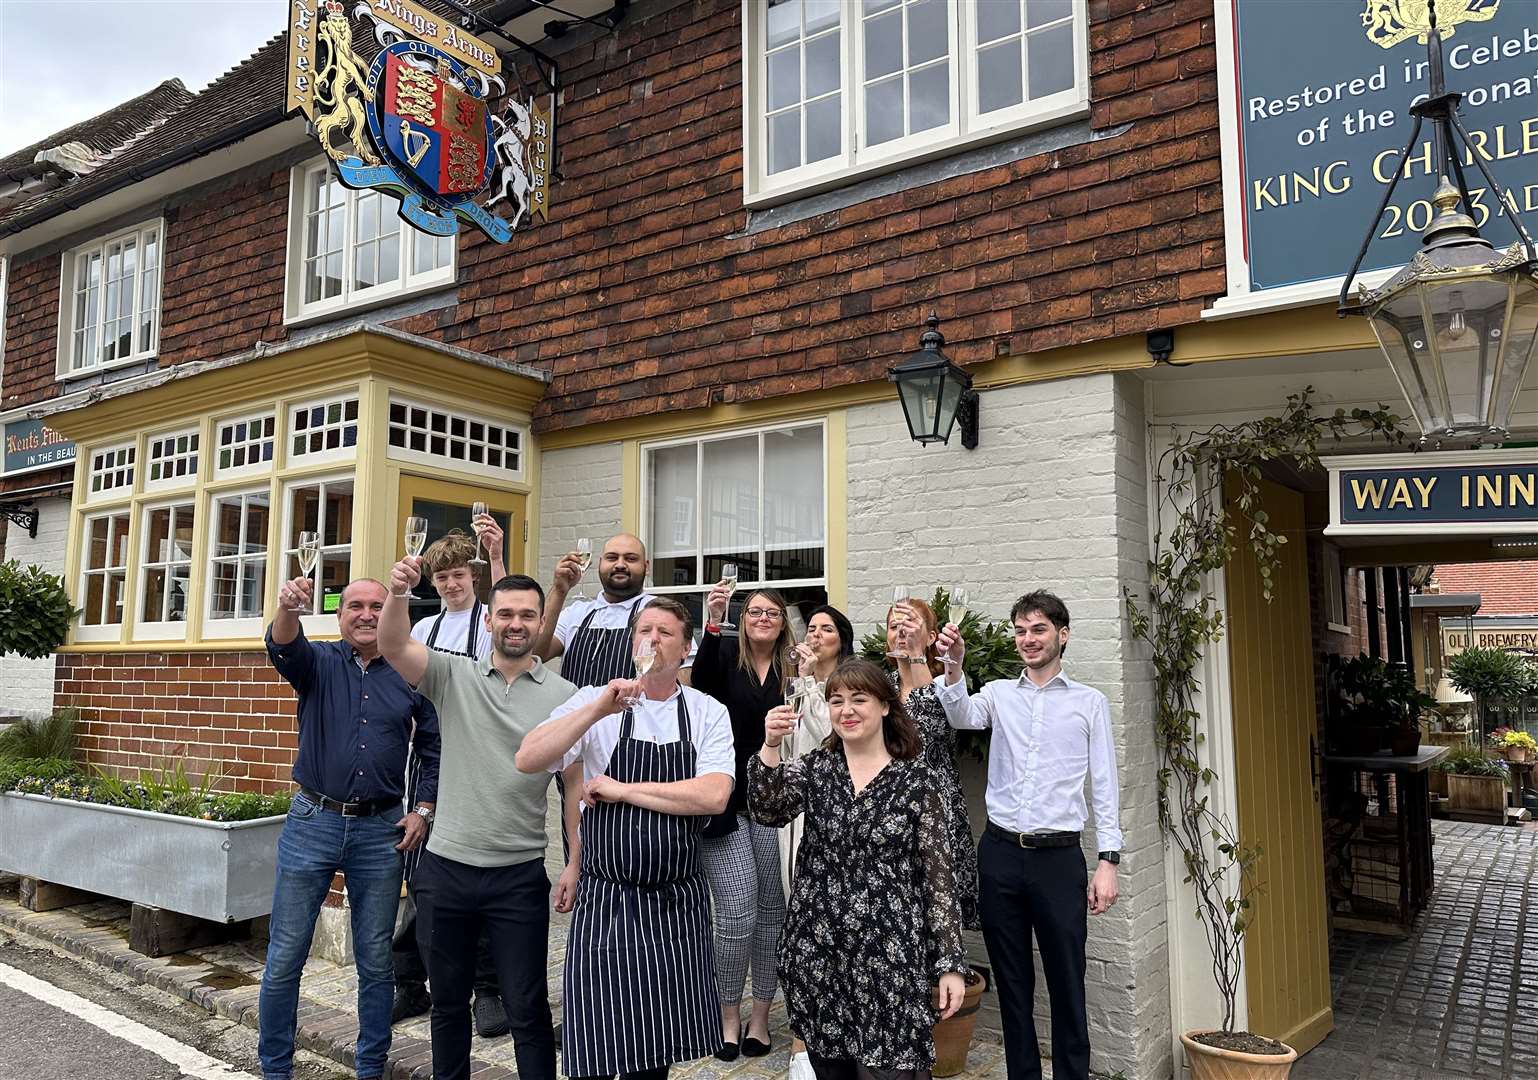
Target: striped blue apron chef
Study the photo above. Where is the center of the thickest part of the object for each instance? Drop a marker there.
(639, 988)
(413, 765)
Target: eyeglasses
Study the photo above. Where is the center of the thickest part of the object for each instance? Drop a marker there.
(772, 614)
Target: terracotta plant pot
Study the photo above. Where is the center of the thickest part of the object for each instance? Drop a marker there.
(953, 1035)
(1210, 1063)
(1516, 754)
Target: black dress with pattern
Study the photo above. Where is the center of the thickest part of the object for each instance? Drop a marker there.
(873, 918)
(923, 705)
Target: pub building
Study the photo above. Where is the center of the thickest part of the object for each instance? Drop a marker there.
(752, 210)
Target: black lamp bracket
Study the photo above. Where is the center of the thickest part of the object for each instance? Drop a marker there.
(23, 516)
(966, 419)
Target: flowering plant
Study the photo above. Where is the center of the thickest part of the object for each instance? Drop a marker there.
(1509, 739)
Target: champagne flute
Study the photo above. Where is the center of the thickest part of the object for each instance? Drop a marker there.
(900, 595)
(645, 658)
(584, 560)
(729, 579)
(476, 510)
(309, 552)
(960, 605)
(416, 535)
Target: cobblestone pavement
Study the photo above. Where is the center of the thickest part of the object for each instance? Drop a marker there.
(1459, 997)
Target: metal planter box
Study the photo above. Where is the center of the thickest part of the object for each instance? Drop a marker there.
(216, 870)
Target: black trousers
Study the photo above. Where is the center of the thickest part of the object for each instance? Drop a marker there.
(411, 971)
(1040, 891)
(455, 903)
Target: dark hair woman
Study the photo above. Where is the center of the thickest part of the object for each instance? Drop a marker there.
(911, 630)
(873, 917)
(742, 859)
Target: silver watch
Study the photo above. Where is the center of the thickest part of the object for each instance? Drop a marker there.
(424, 813)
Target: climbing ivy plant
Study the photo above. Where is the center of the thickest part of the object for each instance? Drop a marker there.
(1179, 619)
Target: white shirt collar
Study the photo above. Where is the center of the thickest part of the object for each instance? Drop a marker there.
(1060, 677)
(602, 601)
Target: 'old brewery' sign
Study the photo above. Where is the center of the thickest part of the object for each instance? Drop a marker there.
(1464, 493)
(420, 122)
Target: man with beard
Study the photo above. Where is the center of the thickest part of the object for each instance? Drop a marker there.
(485, 859)
(1049, 732)
(593, 640)
(356, 718)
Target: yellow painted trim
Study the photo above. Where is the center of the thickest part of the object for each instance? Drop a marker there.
(630, 487)
(371, 504)
(836, 544)
(533, 471)
(1309, 1033)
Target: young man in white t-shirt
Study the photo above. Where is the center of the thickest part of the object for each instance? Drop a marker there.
(460, 628)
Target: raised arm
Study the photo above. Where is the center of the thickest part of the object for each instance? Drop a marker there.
(568, 572)
(287, 647)
(547, 744)
(406, 655)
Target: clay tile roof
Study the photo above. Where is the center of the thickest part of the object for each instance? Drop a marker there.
(112, 130)
(1505, 588)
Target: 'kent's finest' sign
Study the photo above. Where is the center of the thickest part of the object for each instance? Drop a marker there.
(420, 122)
(32, 444)
(1464, 493)
(1323, 93)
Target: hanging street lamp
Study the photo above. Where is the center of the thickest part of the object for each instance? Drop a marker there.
(1458, 323)
(934, 392)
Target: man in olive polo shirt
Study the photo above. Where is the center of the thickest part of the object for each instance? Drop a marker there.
(485, 859)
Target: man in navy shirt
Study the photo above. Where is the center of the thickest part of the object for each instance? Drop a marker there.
(357, 717)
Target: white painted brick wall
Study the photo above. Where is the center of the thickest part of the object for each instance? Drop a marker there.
(1054, 497)
(26, 686)
(579, 496)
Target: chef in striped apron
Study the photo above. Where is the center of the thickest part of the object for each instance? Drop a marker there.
(639, 988)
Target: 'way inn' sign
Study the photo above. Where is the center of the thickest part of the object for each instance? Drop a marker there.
(1462, 493)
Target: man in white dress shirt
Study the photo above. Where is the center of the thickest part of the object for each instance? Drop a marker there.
(1049, 732)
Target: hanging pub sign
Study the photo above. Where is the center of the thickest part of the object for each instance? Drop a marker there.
(1457, 493)
(418, 122)
(32, 445)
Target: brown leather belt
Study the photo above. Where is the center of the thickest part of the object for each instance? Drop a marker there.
(1034, 839)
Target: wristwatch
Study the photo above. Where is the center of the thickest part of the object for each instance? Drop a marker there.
(1112, 857)
(425, 813)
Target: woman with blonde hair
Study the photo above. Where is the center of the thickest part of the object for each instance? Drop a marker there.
(874, 920)
(742, 859)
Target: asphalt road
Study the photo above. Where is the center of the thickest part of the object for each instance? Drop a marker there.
(65, 1019)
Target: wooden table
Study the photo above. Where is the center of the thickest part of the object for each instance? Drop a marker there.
(1379, 825)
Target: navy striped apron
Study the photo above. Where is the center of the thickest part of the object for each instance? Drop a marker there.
(639, 987)
(597, 657)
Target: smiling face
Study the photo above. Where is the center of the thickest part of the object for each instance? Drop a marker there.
(513, 619)
(622, 567)
(666, 633)
(857, 715)
(358, 615)
(1038, 641)
(456, 586)
(822, 636)
(763, 620)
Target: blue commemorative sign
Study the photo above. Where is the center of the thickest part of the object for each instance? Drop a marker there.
(1324, 88)
(1458, 493)
(32, 444)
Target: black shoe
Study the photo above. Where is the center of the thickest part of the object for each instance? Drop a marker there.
(409, 1002)
(490, 1016)
(752, 1047)
(728, 1051)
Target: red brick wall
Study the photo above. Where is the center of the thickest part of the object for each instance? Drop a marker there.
(222, 711)
(640, 294)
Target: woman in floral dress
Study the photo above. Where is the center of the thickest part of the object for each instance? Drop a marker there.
(910, 635)
(873, 920)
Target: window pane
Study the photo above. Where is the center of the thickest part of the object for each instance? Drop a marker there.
(221, 603)
(821, 15)
(176, 603)
(158, 540)
(119, 552)
(306, 514)
(822, 60)
(884, 111)
(390, 258)
(929, 98)
(1049, 59)
(114, 596)
(253, 582)
(883, 45)
(999, 76)
(730, 505)
(928, 31)
(824, 133)
(793, 488)
(997, 18)
(784, 141)
(95, 594)
(338, 528)
(334, 568)
(256, 523)
(154, 595)
(1041, 12)
(783, 22)
(784, 78)
(97, 557)
(671, 519)
(181, 534)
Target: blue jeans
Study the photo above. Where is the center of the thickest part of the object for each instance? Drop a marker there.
(315, 845)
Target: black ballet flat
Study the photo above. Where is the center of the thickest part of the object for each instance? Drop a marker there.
(752, 1047)
(728, 1051)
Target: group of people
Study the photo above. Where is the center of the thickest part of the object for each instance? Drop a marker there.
(731, 804)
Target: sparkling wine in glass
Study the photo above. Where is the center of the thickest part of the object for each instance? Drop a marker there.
(476, 510)
(900, 594)
(729, 579)
(309, 552)
(644, 658)
(961, 603)
(416, 535)
(584, 560)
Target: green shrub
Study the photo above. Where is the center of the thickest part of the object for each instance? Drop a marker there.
(167, 790)
(1468, 762)
(35, 612)
(1491, 674)
(14, 770)
(47, 737)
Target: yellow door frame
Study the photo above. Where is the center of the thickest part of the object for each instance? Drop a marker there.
(413, 486)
